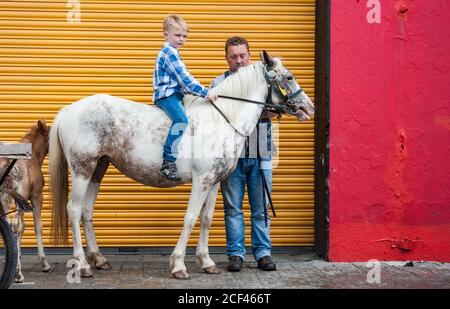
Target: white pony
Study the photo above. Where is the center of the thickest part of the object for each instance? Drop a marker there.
(91, 133)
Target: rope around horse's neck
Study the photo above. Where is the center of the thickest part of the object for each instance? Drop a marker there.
(276, 107)
(226, 118)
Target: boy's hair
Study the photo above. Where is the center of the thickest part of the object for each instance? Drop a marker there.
(175, 22)
(235, 41)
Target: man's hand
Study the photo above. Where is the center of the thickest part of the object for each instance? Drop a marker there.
(212, 96)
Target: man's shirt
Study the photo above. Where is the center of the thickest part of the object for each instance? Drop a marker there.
(219, 79)
(171, 75)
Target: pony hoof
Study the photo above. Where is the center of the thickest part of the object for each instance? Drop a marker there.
(211, 270)
(98, 261)
(182, 274)
(104, 266)
(45, 267)
(86, 272)
(19, 278)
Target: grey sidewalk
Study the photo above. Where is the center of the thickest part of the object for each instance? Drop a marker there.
(294, 271)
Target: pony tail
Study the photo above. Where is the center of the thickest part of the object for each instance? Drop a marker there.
(59, 184)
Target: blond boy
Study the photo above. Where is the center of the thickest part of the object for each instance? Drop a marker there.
(171, 80)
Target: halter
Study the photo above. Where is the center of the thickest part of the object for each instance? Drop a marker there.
(274, 88)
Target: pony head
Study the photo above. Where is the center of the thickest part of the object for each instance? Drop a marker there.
(38, 136)
(288, 92)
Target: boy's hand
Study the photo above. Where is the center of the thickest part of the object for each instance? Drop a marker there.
(212, 96)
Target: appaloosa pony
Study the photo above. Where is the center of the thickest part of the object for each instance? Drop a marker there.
(27, 180)
(93, 132)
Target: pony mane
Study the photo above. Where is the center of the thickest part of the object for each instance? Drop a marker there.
(33, 132)
(239, 84)
(30, 135)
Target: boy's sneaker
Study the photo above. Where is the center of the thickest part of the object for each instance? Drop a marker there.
(265, 263)
(169, 170)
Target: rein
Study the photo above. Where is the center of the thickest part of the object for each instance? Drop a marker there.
(226, 118)
(251, 101)
(279, 109)
(273, 107)
(286, 99)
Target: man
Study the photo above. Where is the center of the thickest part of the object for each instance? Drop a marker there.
(248, 171)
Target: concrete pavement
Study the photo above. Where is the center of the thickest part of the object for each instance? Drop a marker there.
(294, 271)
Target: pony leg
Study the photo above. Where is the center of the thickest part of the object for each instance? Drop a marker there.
(74, 209)
(18, 226)
(206, 216)
(196, 200)
(94, 257)
(36, 201)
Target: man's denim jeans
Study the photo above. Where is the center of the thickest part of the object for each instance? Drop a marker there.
(247, 172)
(173, 106)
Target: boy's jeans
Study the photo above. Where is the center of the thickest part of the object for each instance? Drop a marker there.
(173, 106)
(233, 188)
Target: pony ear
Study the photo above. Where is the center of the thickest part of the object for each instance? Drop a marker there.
(266, 59)
(42, 124)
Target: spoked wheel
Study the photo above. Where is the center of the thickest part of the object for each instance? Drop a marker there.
(8, 254)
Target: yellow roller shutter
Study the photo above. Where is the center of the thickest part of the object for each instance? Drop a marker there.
(48, 62)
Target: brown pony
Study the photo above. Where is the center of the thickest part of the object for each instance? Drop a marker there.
(27, 180)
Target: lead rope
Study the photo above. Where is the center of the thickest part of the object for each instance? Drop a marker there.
(265, 190)
(278, 110)
(265, 187)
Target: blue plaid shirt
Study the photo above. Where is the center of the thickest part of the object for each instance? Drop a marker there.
(171, 75)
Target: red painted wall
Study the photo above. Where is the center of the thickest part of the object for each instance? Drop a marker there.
(390, 131)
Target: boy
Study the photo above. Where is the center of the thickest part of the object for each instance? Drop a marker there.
(171, 80)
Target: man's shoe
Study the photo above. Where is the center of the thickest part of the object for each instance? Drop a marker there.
(266, 263)
(169, 170)
(235, 263)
